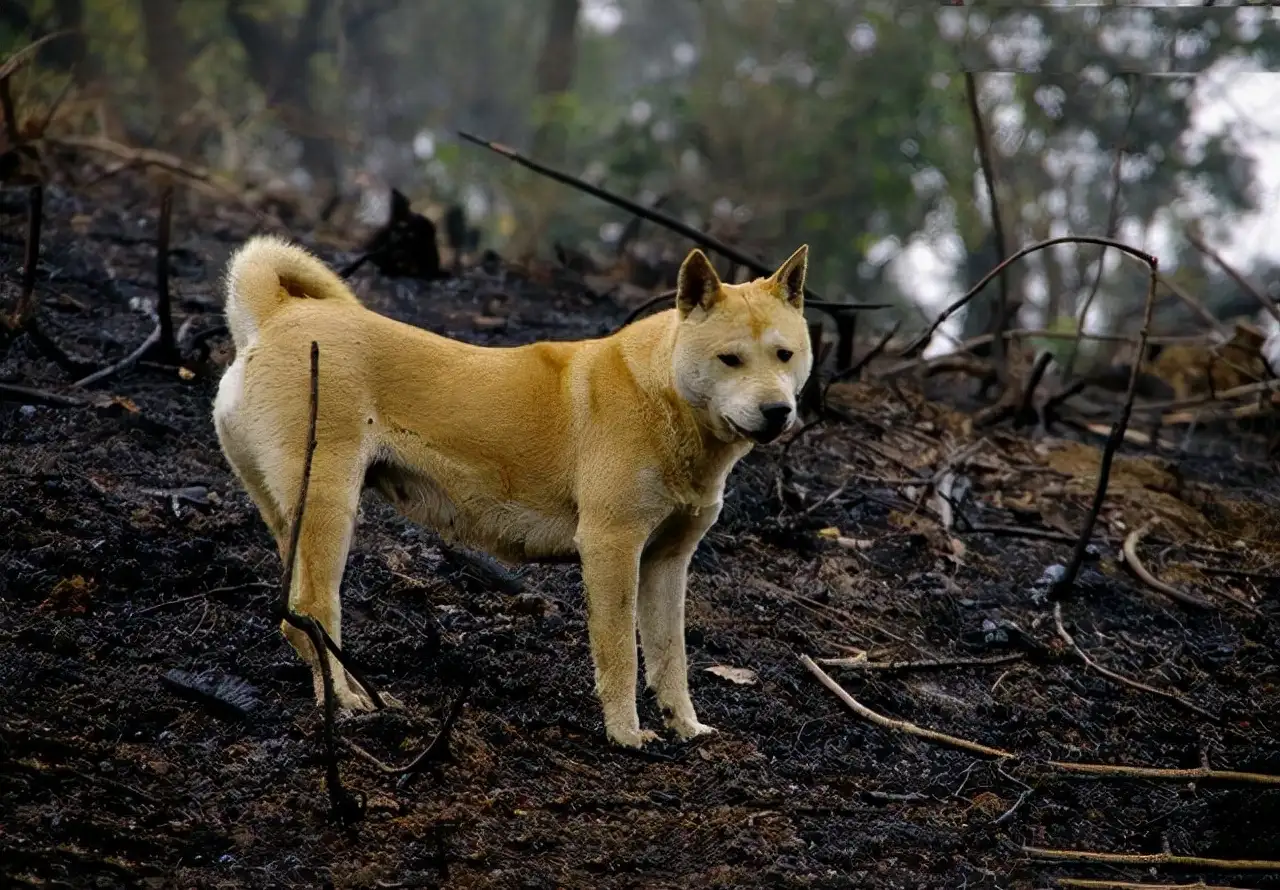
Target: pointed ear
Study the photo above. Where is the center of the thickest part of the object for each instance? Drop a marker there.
(698, 283)
(790, 277)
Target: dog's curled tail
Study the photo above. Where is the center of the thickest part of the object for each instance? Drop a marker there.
(265, 272)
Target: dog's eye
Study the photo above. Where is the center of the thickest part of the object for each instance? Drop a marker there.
(730, 359)
(784, 355)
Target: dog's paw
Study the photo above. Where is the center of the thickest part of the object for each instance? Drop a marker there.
(348, 699)
(690, 728)
(631, 738)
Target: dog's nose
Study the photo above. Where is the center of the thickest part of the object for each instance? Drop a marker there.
(776, 415)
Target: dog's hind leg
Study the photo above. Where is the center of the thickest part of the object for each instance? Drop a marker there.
(324, 540)
(664, 570)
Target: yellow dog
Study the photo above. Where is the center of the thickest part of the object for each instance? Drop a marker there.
(613, 449)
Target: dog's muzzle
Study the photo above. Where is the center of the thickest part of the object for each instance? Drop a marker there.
(775, 418)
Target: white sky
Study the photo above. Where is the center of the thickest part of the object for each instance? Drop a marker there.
(1228, 97)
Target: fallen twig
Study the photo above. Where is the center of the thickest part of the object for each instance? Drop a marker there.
(124, 364)
(1064, 584)
(1196, 774)
(1120, 678)
(1096, 770)
(900, 725)
(923, 665)
(105, 404)
(1018, 531)
(665, 220)
(1248, 389)
(150, 157)
(1151, 859)
(1130, 552)
(436, 752)
(1133, 885)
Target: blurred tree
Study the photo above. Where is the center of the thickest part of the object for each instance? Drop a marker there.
(837, 122)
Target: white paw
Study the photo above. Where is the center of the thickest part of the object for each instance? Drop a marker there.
(690, 728)
(351, 699)
(631, 737)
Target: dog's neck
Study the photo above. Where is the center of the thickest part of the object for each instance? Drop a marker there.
(702, 460)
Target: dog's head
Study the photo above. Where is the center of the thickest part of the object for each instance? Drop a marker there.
(742, 351)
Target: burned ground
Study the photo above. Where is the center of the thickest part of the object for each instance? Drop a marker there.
(128, 551)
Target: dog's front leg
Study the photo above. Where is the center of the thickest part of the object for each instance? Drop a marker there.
(664, 572)
(611, 574)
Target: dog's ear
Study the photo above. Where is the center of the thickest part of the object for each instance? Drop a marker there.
(698, 283)
(790, 277)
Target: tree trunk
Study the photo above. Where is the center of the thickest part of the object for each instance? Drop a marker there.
(554, 77)
(167, 56)
(282, 70)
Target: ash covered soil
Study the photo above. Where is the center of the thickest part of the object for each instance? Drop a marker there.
(128, 551)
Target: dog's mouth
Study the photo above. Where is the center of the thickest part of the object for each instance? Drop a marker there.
(760, 437)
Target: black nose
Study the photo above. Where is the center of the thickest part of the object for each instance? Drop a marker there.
(776, 415)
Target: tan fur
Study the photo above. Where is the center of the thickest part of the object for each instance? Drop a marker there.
(614, 449)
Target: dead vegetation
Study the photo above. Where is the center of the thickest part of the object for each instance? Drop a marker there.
(1064, 651)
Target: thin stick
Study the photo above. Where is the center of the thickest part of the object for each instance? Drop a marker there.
(1119, 678)
(923, 340)
(922, 665)
(12, 137)
(1248, 389)
(665, 297)
(168, 347)
(825, 411)
(989, 177)
(1130, 552)
(124, 364)
(1244, 283)
(436, 752)
(662, 219)
(900, 725)
(1195, 305)
(1113, 213)
(1096, 770)
(344, 806)
(30, 257)
(1133, 885)
(1197, 774)
(1018, 531)
(1151, 859)
(1028, 392)
(1064, 584)
(27, 53)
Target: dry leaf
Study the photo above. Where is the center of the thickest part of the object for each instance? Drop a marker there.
(741, 676)
(855, 543)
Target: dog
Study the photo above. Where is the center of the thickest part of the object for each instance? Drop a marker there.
(612, 451)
